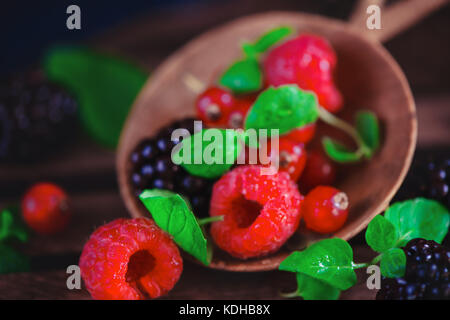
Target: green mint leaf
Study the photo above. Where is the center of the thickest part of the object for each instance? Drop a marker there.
(285, 108)
(172, 214)
(339, 152)
(381, 235)
(329, 260)
(11, 226)
(419, 218)
(209, 153)
(104, 86)
(310, 288)
(368, 128)
(266, 41)
(243, 76)
(12, 261)
(393, 263)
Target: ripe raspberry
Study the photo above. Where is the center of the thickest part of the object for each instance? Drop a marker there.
(319, 170)
(214, 106)
(260, 211)
(152, 167)
(37, 118)
(308, 61)
(130, 259)
(427, 274)
(45, 208)
(325, 209)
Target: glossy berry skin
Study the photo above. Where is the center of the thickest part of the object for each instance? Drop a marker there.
(319, 170)
(130, 259)
(260, 211)
(151, 167)
(291, 157)
(214, 106)
(308, 61)
(325, 209)
(45, 208)
(236, 117)
(302, 135)
(427, 274)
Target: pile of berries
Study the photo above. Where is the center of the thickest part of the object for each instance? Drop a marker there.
(152, 167)
(37, 118)
(427, 275)
(133, 259)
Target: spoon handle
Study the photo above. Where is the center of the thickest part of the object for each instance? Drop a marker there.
(395, 18)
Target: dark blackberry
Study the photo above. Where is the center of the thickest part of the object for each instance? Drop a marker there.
(152, 167)
(427, 275)
(37, 118)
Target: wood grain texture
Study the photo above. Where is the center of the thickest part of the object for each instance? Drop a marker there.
(196, 282)
(371, 80)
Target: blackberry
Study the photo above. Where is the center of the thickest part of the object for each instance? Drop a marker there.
(426, 277)
(37, 118)
(152, 167)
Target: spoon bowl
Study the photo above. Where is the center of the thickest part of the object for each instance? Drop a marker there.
(366, 74)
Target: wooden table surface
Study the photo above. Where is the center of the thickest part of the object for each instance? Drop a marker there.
(87, 171)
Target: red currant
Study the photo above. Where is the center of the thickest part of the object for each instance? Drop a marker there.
(291, 157)
(237, 116)
(308, 61)
(214, 106)
(45, 208)
(325, 209)
(319, 170)
(303, 134)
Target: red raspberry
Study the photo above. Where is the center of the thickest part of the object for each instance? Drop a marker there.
(308, 61)
(325, 209)
(130, 259)
(319, 170)
(260, 211)
(214, 106)
(303, 134)
(45, 208)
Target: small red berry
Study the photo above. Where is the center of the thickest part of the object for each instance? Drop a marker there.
(214, 106)
(261, 211)
(308, 61)
(325, 209)
(45, 208)
(291, 157)
(237, 116)
(130, 259)
(303, 134)
(319, 170)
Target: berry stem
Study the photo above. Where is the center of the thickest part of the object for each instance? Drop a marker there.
(294, 294)
(204, 221)
(334, 121)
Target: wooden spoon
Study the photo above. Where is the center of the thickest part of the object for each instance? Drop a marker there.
(366, 74)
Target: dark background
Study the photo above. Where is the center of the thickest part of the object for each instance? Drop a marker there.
(29, 27)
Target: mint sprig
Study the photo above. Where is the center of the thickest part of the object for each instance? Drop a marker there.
(173, 214)
(329, 262)
(11, 226)
(209, 153)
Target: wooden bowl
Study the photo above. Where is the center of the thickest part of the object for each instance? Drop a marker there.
(366, 74)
